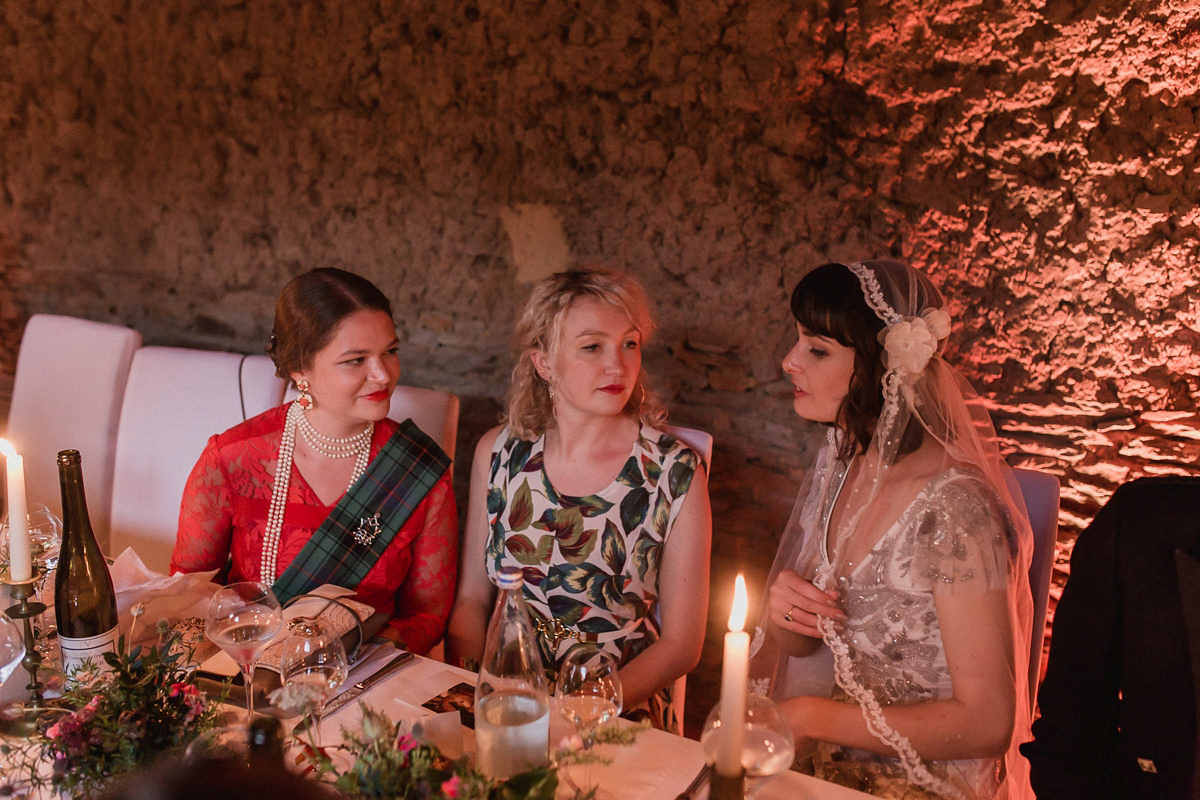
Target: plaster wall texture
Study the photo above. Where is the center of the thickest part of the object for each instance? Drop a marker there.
(169, 164)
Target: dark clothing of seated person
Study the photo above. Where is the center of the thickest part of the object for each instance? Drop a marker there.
(1119, 701)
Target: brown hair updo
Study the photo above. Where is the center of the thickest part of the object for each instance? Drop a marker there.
(309, 309)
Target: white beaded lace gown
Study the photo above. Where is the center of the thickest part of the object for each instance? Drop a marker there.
(953, 537)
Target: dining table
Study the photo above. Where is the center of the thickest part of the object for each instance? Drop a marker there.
(657, 765)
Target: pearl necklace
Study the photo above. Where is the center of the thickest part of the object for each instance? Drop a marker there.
(330, 447)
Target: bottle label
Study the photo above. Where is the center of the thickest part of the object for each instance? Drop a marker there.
(77, 652)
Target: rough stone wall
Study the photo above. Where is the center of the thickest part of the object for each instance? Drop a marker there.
(170, 163)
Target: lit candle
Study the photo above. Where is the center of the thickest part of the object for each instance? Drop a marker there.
(734, 674)
(20, 563)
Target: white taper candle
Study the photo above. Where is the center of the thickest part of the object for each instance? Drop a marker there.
(20, 561)
(734, 673)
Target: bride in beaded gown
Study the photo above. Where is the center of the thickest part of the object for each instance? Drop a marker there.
(896, 628)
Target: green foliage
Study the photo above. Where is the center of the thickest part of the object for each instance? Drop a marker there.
(111, 721)
(389, 764)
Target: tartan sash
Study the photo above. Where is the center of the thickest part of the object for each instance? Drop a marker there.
(393, 485)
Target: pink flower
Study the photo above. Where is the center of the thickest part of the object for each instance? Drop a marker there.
(86, 713)
(192, 699)
(405, 743)
(66, 733)
(450, 787)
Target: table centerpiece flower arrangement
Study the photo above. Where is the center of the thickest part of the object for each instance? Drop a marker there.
(113, 719)
(388, 762)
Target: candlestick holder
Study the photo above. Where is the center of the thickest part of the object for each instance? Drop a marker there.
(24, 724)
(767, 747)
(727, 787)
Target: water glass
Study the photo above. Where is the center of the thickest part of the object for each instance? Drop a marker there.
(12, 646)
(313, 666)
(587, 694)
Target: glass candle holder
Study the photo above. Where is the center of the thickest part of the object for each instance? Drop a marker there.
(767, 748)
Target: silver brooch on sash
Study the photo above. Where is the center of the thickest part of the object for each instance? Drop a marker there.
(368, 528)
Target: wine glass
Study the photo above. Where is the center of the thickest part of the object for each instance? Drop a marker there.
(242, 620)
(767, 747)
(46, 541)
(313, 665)
(45, 536)
(587, 693)
(12, 646)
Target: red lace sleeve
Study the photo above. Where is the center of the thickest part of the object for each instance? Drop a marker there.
(205, 516)
(423, 601)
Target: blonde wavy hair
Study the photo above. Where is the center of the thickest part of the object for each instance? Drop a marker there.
(530, 410)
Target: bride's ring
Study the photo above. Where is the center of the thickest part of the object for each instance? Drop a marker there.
(788, 615)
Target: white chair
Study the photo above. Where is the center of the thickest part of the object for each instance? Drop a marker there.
(175, 400)
(67, 394)
(1041, 493)
(435, 412)
(696, 439)
(702, 443)
(261, 388)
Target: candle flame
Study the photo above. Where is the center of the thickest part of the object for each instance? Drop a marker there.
(7, 449)
(737, 614)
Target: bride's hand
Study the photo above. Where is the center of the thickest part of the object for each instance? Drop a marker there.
(796, 604)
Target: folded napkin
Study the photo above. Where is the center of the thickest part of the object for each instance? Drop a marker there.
(181, 600)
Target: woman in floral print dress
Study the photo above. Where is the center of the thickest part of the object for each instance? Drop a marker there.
(606, 514)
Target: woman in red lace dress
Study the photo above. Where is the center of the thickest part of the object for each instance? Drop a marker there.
(327, 489)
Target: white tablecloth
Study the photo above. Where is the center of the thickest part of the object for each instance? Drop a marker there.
(660, 765)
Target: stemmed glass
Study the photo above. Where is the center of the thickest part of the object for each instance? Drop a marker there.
(313, 665)
(242, 620)
(12, 646)
(587, 692)
(45, 535)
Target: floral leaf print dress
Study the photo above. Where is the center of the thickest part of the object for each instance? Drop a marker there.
(591, 563)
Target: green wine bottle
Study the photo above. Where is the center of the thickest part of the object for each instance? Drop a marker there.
(85, 604)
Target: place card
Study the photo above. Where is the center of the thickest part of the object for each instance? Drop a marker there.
(458, 698)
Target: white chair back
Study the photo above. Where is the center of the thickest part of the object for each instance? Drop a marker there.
(1041, 493)
(175, 400)
(433, 411)
(698, 440)
(261, 389)
(67, 394)
(702, 443)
